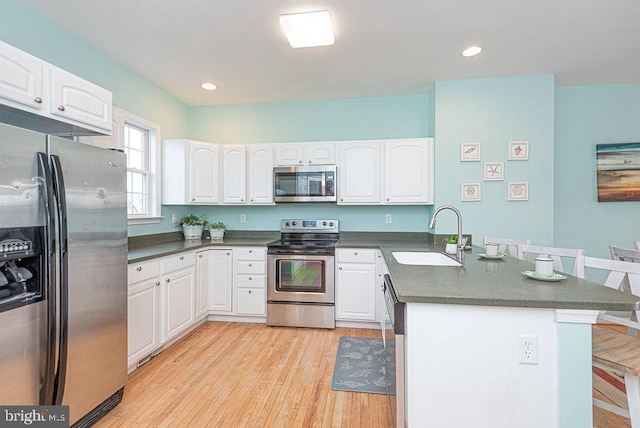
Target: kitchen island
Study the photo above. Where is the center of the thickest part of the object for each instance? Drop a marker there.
(467, 335)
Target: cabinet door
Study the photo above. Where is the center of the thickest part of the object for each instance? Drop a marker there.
(143, 319)
(261, 174)
(203, 280)
(289, 154)
(252, 301)
(221, 281)
(203, 173)
(178, 297)
(79, 100)
(20, 77)
(234, 171)
(359, 173)
(409, 171)
(320, 154)
(355, 292)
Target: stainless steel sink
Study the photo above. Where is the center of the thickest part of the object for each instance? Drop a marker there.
(424, 258)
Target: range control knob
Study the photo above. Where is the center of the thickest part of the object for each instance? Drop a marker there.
(287, 224)
(331, 224)
(294, 223)
(324, 223)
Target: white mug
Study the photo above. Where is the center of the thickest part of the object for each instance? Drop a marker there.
(491, 249)
(544, 266)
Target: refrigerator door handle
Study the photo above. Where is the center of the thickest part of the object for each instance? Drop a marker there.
(49, 283)
(63, 257)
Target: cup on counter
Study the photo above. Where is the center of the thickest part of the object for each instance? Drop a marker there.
(491, 249)
(544, 266)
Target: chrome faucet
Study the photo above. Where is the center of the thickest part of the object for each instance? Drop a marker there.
(461, 242)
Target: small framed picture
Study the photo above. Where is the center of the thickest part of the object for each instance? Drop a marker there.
(518, 150)
(470, 152)
(470, 192)
(493, 171)
(518, 191)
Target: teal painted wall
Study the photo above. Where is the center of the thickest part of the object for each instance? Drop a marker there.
(492, 112)
(586, 116)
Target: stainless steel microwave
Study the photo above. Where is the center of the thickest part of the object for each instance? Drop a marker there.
(305, 183)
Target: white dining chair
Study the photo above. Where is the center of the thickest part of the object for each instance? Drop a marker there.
(506, 244)
(560, 256)
(612, 350)
(624, 254)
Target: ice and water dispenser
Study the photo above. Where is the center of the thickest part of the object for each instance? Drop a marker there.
(21, 266)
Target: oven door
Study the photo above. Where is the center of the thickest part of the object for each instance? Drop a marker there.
(300, 278)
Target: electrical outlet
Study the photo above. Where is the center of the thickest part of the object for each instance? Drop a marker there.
(388, 218)
(174, 218)
(527, 349)
(243, 218)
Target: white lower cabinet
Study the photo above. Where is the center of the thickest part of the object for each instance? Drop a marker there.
(178, 295)
(203, 274)
(220, 280)
(250, 280)
(356, 292)
(143, 311)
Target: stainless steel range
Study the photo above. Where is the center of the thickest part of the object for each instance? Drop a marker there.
(300, 274)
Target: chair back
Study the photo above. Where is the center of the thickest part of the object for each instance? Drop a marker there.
(560, 257)
(624, 254)
(507, 244)
(623, 276)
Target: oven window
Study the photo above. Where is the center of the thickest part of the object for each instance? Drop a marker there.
(300, 275)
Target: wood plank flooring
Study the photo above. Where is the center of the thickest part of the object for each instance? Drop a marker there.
(247, 375)
(250, 375)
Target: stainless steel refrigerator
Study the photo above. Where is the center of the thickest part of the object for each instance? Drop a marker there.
(63, 280)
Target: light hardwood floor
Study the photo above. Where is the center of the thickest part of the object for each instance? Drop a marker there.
(250, 375)
(247, 375)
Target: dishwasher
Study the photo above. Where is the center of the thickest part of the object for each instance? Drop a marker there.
(394, 353)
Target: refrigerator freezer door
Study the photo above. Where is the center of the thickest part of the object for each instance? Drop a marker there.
(95, 193)
(21, 328)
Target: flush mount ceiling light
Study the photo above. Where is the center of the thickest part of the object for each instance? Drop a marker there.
(208, 86)
(472, 51)
(308, 29)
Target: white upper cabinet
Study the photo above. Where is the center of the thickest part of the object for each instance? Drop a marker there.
(300, 154)
(260, 173)
(190, 172)
(408, 169)
(234, 167)
(359, 172)
(29, 84)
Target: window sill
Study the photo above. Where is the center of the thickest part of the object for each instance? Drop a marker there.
(144, 220)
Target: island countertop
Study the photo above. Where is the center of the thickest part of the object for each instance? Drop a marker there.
(495, 283)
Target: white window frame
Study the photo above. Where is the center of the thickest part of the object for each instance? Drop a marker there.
(122, 118)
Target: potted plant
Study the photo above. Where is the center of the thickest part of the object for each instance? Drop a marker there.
(451, 246)
(216, 230)
(193, 225)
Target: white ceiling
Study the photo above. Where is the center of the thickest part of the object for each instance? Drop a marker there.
(383, 47)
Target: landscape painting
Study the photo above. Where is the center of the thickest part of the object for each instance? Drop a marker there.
(618, 167)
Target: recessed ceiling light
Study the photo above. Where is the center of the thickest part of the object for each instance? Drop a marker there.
(472, 51)
(208, 86)
(308, 29)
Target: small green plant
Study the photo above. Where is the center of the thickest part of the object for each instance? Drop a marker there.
(193, 220)
(450, 240)
(218, 225)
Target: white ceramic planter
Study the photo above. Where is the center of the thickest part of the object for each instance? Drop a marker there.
(217, 234)
(192, 232)
(451, 248)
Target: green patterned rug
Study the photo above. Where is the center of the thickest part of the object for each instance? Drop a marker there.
(360, 366)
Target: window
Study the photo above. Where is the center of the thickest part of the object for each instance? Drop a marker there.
(140, 140)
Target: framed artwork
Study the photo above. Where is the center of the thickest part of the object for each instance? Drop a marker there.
(518, 191)
(518, 150)
(470, 192)
(493, 171)
(618, 170)
(470, 152)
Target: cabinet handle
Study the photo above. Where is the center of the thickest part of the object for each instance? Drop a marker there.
(139, 268)
(250, 278)
(341, 200)
(251, 200)
(200, 255)
(340, 268)
(157, 283)
(228, 254)
(38, 100)
(355, 253)
(250, 265)
(193, 199)
(300, 161)
(181, 257)
(387, 199)
(167, 280)
(250, 251)
(310, 162)
(249, 291)
(61, 108)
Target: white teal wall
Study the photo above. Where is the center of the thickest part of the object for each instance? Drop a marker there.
(492, 112)
(586, 116)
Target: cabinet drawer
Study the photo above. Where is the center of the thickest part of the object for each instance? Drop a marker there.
(178, 261)
(250, 253)
(145, 270)
(251, 267)
(356, 255)
(251, 281)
